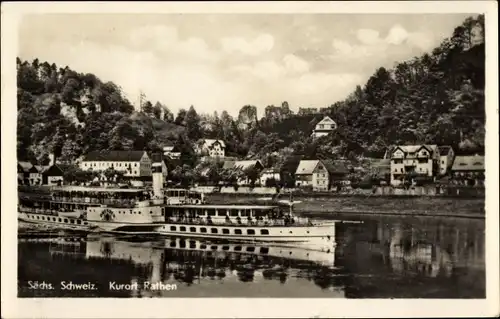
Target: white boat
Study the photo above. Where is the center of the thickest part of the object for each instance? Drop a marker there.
(137, 211)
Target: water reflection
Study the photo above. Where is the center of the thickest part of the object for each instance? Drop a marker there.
(426, 258)
(381, 258)
(185, 262)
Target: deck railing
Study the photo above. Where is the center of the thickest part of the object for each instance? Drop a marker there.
(293, 222)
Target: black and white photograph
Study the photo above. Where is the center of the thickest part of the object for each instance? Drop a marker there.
(260, 155)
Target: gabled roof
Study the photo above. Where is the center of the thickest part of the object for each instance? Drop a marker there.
(171, 163)
(468, 163)
(326, 120)
(210, 142)
(54, 170)
(444, 150)
(26, 166)
(247, 164)
(114, 156)
(415, 148)
(41, 168)
(335, 167)
(306, 167)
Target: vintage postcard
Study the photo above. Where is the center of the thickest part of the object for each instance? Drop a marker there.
(239, 159)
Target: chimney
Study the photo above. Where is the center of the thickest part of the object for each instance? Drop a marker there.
(156, 159)
(52, 159)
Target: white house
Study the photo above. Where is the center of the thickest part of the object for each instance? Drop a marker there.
(212, 148)
(131, 163)
(244, 166)
(312, 173)
(324, 127)
(269, 173)
(420, 160)
(170, 151)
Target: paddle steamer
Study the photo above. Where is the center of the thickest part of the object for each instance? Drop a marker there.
(138, 211)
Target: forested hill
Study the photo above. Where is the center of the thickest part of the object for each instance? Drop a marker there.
(436, 98)
(70, 113)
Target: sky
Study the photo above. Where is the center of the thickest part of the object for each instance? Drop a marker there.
(221, 62)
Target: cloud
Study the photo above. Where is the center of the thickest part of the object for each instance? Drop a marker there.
(165, 40)
(397, 34)
(295, 64)
(422, 40)
(261, 44)
(368, 36)
(341, 47)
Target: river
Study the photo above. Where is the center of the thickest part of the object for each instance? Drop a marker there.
(382, 257)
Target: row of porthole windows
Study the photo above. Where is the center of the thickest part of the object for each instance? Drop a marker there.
(60, 220)
(225, 231)
(192, 244)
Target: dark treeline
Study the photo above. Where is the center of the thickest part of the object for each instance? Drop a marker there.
(436, 98)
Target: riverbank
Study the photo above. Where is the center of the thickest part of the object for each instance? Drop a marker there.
(373, 205)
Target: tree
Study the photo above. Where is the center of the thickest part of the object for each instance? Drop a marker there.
(157, 110)
(147, 108)
(193, 124)
(181, 117)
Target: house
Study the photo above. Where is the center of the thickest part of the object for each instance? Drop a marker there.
(337, 171)
(324, 127)
(381, 169)
(245, 166)
(408, 161)
(269, 173)
(468, 170)
(447, 155)
(53, 175)
(131, 163)
(171, 151)
(211, 147)
(312, 173)
(29, 174)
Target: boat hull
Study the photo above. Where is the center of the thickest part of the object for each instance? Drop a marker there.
(56, 222)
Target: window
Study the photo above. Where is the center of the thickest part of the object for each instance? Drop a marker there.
(213, 247)
(237, 248)
(442, 162)
(192, 244)
(401, 170)
(225, 231)
(211, 212)
(173, 228)
(60, 220)
(79, 222)
(264, 250)
(234, 212)
(250, 232)
(182, 244)
(65, 220)
(264, 232)
(182, 228)
(214, 231)
(192, 229)
(250, 249)
(237, 231)
(203, 230)
(203, 246)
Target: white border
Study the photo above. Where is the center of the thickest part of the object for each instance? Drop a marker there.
(12, 307)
